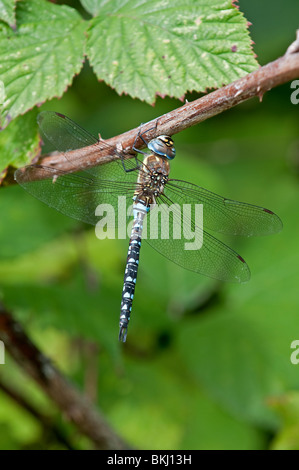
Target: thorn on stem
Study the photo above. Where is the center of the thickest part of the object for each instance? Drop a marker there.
(294, 47)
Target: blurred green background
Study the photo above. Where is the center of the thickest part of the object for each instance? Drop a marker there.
(207, 365)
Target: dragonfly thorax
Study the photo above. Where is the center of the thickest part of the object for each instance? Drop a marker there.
(152, 178)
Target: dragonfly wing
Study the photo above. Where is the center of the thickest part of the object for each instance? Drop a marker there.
(63, 133)
(77, 195)
(225, 215)
(211, 257)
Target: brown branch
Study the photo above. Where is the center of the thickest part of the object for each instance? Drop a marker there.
(48, 427)
(76, 407)
(275, 73)
(294, 47)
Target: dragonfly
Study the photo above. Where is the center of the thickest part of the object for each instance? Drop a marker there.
(145, 185)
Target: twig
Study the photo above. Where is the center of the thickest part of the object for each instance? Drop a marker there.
(275, 73)
(294, 47)
(76, 407)
(45, 421)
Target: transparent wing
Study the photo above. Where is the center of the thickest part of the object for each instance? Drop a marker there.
(225, 215)
(77, 195)
(63, 133)
(213, 258)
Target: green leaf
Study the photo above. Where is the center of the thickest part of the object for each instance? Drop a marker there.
(7, 11)
(160, 395)
(236, 367)
(26, 224)
(63, 295)
(39, 60)
(169, 48)
(92, 6)
(19, 142)
(287, 406)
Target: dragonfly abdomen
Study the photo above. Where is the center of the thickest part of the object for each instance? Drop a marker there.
(139, 212)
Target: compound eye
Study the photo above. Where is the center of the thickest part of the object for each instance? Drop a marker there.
(163, 145)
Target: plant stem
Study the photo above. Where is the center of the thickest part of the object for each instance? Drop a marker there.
(265, 78)
(74, 405)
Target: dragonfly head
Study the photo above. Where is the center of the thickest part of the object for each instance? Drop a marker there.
(162, 145)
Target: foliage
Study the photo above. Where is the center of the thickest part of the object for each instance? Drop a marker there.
(139, 48)
(206, 365)
(7, 12)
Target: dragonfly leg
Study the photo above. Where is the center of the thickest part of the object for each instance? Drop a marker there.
(127, 170)
(141, 134)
